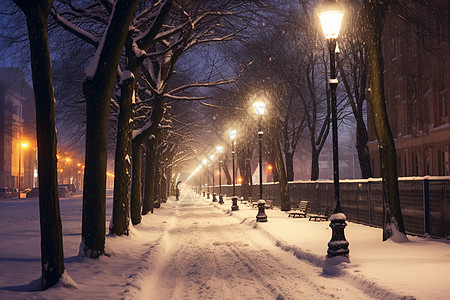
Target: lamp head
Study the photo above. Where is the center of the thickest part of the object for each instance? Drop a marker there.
(219, 149)
(330, 15)
(259, 107)
(233, 134)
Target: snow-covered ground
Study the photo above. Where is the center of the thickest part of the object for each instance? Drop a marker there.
(195, 249)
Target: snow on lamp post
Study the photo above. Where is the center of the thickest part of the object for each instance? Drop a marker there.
(219, 150)
(211, 157)
(330, 15)
(22, 145)
(233, 133)
(259, 107)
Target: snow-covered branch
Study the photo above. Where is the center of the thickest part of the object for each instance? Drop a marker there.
(75, 30)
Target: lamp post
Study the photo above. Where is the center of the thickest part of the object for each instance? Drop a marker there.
(219, 150)
(259, 110)
(330, 16)
(211, 157)
(22, 145)
(233, 134)
(205, 162)
(202, 192)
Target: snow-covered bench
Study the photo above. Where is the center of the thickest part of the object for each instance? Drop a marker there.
(269, 204)
(300, 211)
(320, 216)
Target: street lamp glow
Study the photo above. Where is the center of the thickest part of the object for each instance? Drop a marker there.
(24, 145)
(211, 157)
(233, 134)
(200, 166)
(259, 107)
(330, 15)
(219, 149)
(204, 161)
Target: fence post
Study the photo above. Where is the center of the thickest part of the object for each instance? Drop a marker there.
(370, 202)
(426, 205)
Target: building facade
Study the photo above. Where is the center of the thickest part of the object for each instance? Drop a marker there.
(417, 89)
(17, 131)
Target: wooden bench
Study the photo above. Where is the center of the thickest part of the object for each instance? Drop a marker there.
(320, 216)
(300, 211)
(269, 204)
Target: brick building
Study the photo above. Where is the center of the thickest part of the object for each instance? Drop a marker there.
(17, 126)
(417, 89)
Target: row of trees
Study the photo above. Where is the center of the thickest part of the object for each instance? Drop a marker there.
(137, 44)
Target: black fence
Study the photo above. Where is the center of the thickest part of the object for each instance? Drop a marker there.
(425, 202)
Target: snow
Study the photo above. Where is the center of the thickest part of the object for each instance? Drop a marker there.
(195, 249)
(337, 216)
(127, 74)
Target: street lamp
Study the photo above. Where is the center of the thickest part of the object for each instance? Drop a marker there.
(233, 134)
(259, 110)
(205, 162)
(219, 150)
(211, 157)
(202, 192)
(22, 145)
(330, 15)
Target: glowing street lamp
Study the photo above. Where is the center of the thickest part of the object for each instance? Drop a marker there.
(219, 150)
(330, 15)
(205, 163)
(233, 133)
(259, 107)
(211, 157)
(23, 145)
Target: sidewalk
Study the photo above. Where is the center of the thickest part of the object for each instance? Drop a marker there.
(416, 269)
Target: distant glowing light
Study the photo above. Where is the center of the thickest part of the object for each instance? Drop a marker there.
(232, 133)
(259, 107)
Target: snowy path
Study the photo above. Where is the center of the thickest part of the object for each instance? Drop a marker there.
(207, 254)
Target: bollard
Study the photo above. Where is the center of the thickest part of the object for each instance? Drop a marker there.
(220, 199)
(207, 196)
(214, 198)
(234, 206)
(203, 194)
(261, 216)
(338, 246)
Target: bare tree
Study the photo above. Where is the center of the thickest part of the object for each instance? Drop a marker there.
(52, 256)
(375, 13)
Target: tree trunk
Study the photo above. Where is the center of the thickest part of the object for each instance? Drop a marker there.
(149, 180)
(97, 91)
(52, 256)
(136, 185)
(227, 173)
(157, 195)
(393, 219)
(362, 139)
(243, 161)
(122, 167)
(163, 185)
(315, 164)
(289, 165)
(279, 164)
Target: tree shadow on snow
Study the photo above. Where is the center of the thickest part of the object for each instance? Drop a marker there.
(33, 286)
